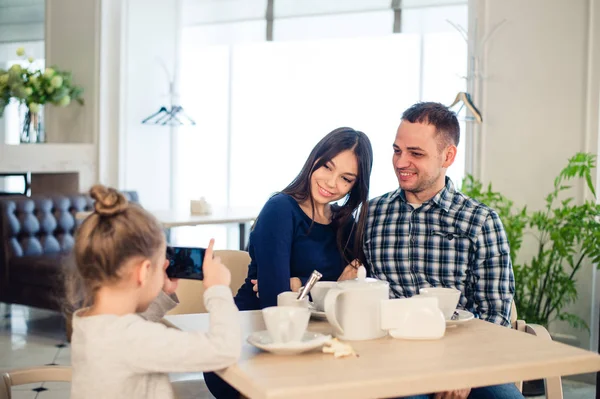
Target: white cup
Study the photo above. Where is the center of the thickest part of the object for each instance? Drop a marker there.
(319, 291)
(289, 298)
(447, 299)
(418, 317)
(286, 323)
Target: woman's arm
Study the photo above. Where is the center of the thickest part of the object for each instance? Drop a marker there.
(295, 285)
(272, 240)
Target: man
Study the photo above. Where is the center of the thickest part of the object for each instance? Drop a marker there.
(428, 234)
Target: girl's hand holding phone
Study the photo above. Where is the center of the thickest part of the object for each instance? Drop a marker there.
(170, 284)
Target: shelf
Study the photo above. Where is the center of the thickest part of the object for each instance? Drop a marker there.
(48, 157)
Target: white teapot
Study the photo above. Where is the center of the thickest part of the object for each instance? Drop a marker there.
(353, 308)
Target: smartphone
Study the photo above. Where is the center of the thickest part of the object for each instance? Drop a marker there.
(185, 262)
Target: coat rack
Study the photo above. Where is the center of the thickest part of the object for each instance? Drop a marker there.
(465, 99)
(474, 72)
(174, 115)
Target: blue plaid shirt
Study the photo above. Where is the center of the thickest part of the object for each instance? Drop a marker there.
(450, 241)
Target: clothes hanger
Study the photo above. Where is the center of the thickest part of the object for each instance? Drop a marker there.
(179, 111)
(154, 115)
(465, 98)
(169, 116)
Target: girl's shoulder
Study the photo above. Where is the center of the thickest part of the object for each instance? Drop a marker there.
(82, 318)
(108, 327)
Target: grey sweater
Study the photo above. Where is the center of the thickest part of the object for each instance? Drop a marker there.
(130, 356)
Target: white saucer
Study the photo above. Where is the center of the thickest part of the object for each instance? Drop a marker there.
(463, 316)
(310, 341)
(317, 314)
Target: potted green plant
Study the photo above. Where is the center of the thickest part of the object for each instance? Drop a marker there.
(567, 235)
(34, 88)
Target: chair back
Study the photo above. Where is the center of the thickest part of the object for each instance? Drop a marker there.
(31, 375)
(513, 314)
(191, 292)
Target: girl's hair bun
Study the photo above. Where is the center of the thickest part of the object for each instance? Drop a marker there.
(109, 202)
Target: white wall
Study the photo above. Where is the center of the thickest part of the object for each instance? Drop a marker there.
(112, 89)
(539, 95)
(151, 36)
(113, 48)
(73, 44)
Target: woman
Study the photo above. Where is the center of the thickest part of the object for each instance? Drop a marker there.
(300, 229)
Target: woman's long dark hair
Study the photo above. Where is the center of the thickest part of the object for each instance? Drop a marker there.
(340, 140)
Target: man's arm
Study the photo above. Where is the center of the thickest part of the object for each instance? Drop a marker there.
(493, 273)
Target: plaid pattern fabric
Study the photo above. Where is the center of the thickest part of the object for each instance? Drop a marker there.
(450, 241)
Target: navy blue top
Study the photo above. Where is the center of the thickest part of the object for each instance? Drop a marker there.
(280, 248)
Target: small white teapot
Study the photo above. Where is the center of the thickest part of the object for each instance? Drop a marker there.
(353, 308)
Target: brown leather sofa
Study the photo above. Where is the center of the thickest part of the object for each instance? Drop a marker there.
(36, 237)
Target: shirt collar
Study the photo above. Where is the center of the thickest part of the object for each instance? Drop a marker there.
(443, 198)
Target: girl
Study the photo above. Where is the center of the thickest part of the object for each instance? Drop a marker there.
(120, 253)
(300, 229)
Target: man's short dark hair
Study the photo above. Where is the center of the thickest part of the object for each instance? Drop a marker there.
(438, 115)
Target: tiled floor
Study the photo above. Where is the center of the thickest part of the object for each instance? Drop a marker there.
(33, 337)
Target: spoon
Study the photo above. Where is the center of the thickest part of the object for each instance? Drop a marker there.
(314, 277)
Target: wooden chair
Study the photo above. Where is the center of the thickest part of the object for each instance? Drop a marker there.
(553, 385)
(31, 375)
(191, 292)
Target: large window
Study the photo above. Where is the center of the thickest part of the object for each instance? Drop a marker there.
(261, 106)
(290, 94)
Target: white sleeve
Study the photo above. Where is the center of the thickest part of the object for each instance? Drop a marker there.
(160, 306)
(152, 347)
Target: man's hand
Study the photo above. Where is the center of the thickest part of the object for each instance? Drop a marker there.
(295, 285)
(350, 271)
(457, 394)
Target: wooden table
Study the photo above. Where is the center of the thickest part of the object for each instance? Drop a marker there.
(170, 219)
(476, 353)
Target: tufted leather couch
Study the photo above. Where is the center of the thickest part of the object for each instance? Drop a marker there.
(36, 235)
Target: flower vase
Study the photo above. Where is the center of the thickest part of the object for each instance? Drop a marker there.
(33, 127)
